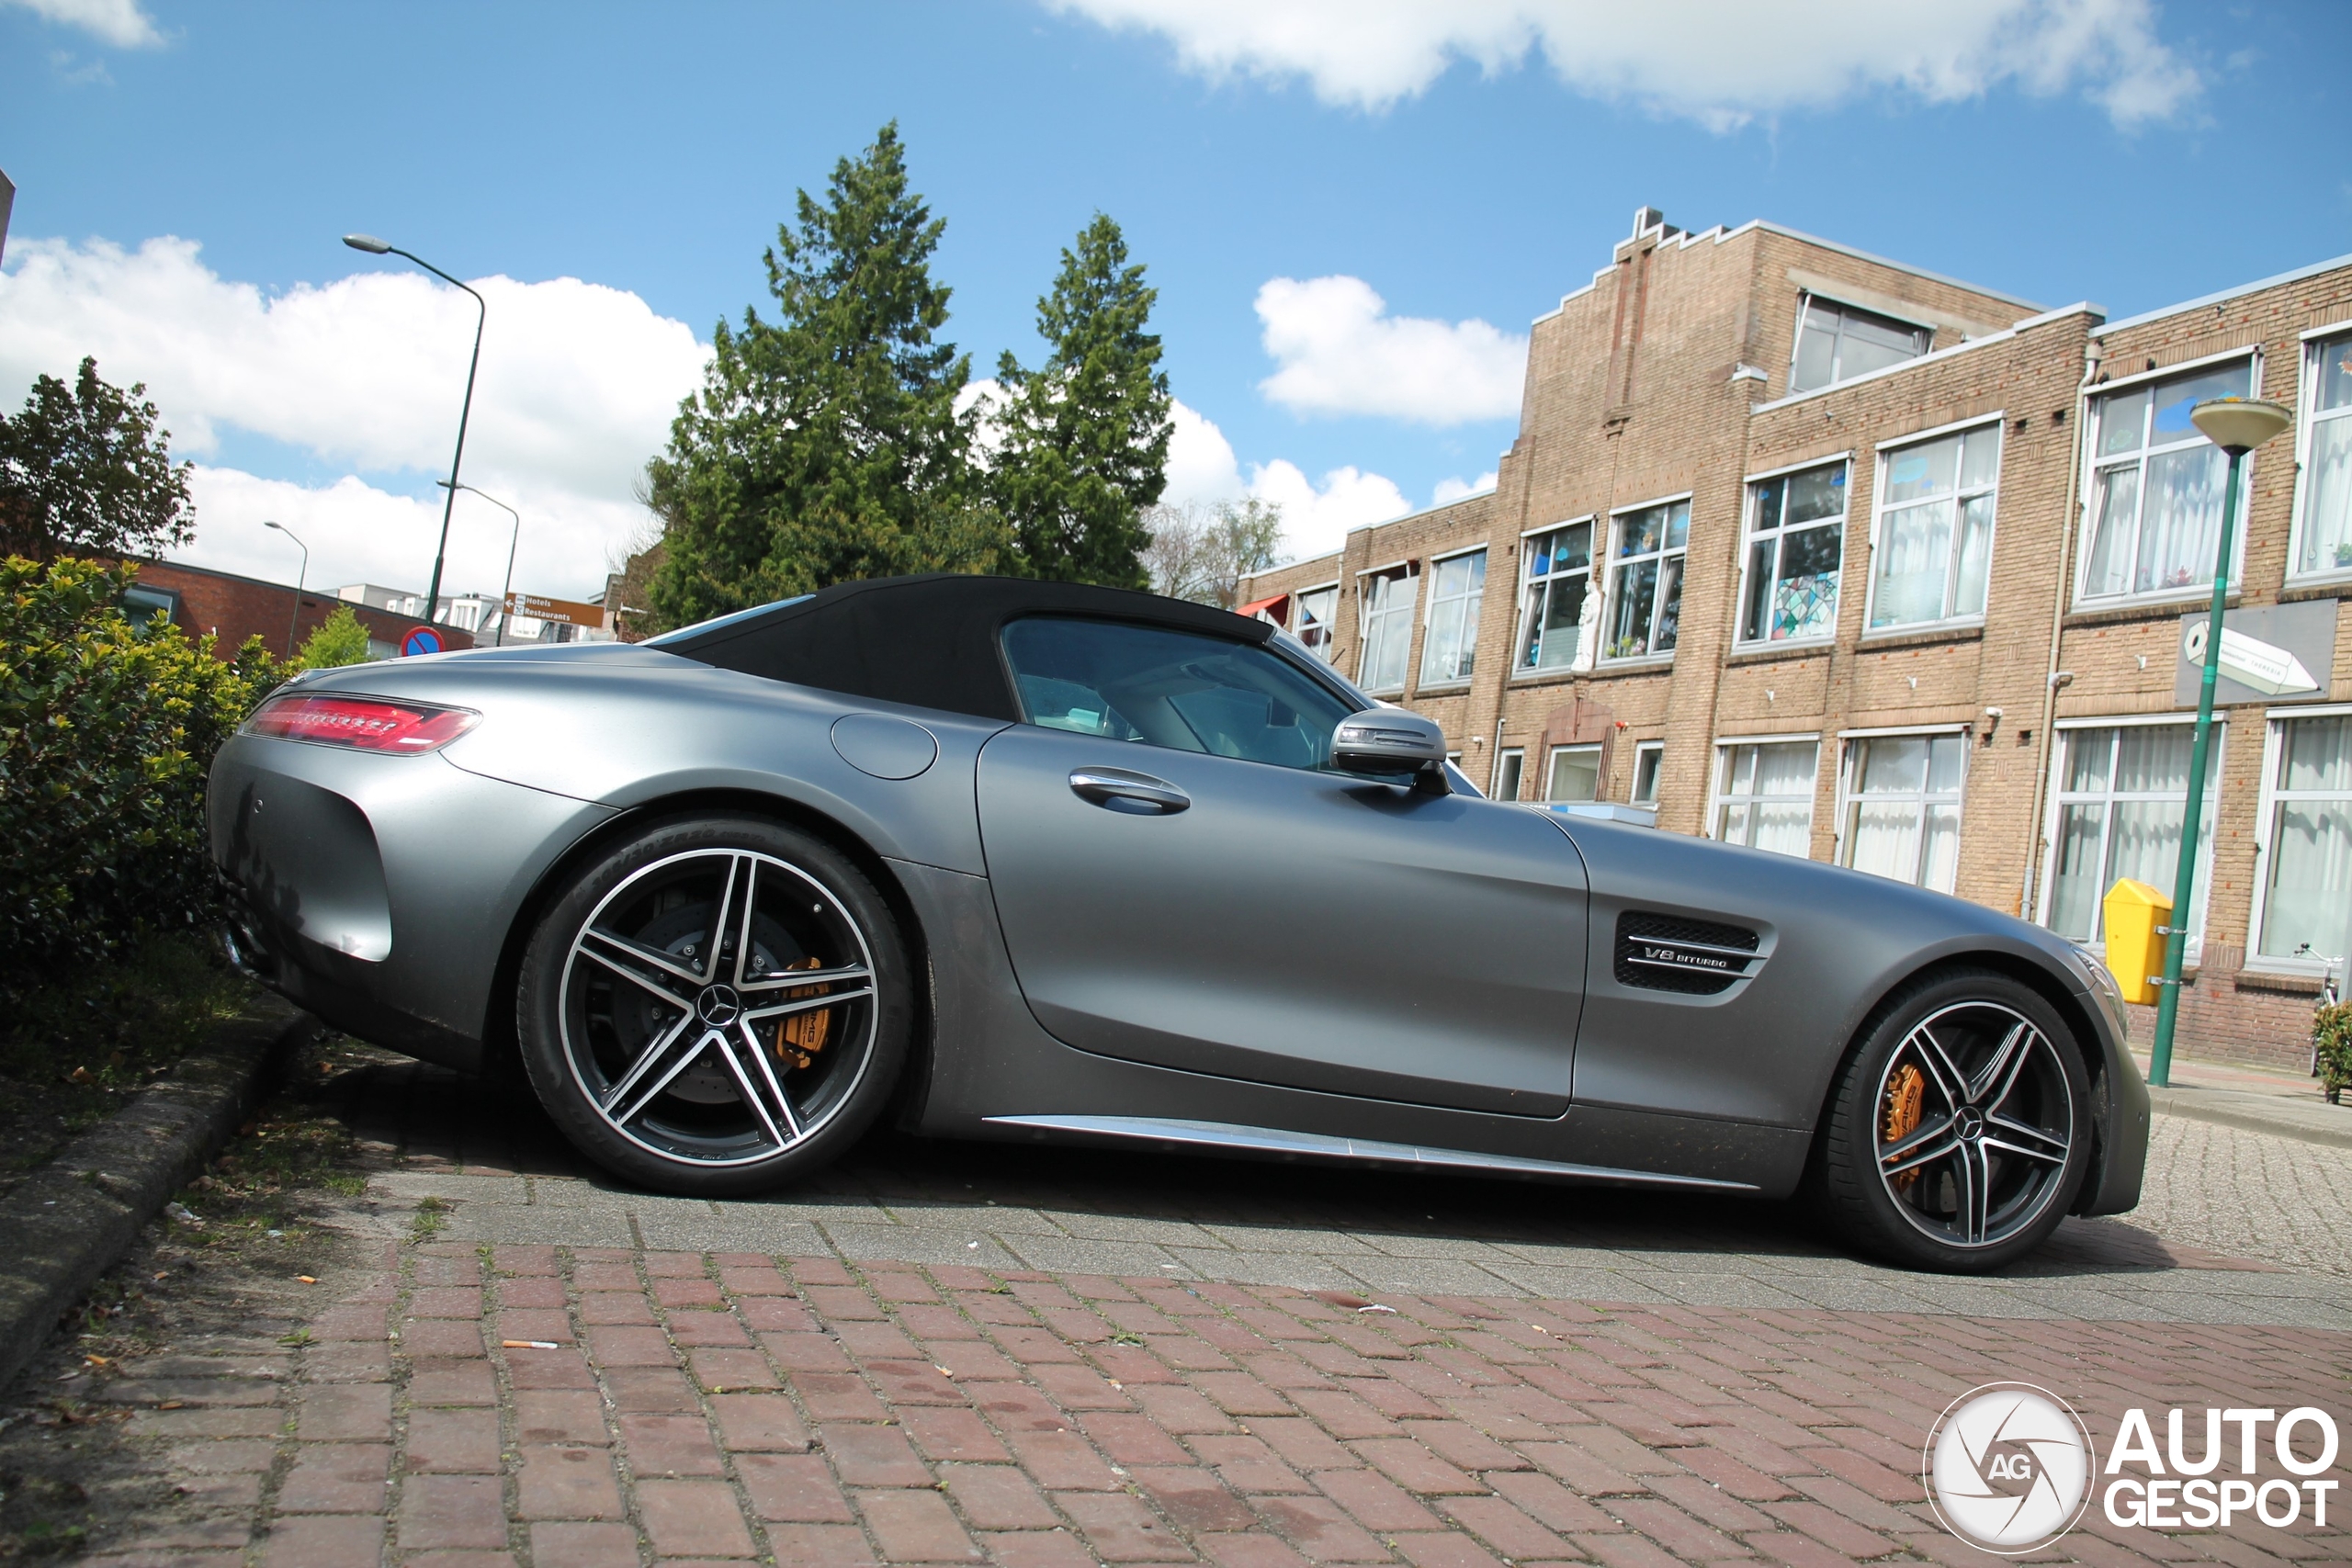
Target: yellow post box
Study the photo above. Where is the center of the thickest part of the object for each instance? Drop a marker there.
(2137, 914)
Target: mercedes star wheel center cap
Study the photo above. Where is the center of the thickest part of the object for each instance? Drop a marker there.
(1969, 1123)
(719, 1006)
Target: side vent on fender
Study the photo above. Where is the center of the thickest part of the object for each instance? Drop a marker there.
(1666, 953)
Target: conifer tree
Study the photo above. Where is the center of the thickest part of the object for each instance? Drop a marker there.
(826, 445)
(1083, 439)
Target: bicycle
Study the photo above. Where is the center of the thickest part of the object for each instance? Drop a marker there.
(2328, 994)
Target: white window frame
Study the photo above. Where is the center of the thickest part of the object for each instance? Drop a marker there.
(2306, 405)
(1747, 504)
(1398, 615)
(1849, 790)
(2090, 466)
(1518, 785)
(1609, 601)
(1521, 629)
(2047, 892)
(1718, 772)
(1805, 299)
(1653, 753)
(1328, 652)
(1551, 756)
(1880, 461)
(1472, 603)
(2274, 754)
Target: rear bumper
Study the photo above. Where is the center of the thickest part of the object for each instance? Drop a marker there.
(381, 892)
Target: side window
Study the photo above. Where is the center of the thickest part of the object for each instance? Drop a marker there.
(1170, 688)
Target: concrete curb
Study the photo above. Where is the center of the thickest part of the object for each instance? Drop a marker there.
(69, 1222)
(2309, 1121)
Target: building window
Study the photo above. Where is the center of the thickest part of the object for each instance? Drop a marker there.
(1456, 585)
(2307, 837)
(1648, 757)
(1557, 573)
(1797, 539)
(2121, 793)
(1836, 343)
(2155, 490)
(2323, 536)
(1387, 629)
(1646, 579)
(1314, 613)
(1934, 542)
(1509, 765)
(1764, 796)
(1575, 773)
(1902, 815)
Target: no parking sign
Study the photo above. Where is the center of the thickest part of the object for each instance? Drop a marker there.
(420, 639)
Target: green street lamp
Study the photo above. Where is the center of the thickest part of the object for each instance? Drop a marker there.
(301, 577)
(2237, 425)
(376, 247)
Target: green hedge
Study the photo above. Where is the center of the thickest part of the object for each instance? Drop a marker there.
(108, 729)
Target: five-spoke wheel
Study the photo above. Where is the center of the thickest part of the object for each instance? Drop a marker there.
(714, 1006)
(1960, 1130)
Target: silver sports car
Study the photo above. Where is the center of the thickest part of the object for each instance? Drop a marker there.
(1019, 860)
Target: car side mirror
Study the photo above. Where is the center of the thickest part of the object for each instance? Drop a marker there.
(1392, 742)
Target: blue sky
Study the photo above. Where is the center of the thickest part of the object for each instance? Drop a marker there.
(2054, 149)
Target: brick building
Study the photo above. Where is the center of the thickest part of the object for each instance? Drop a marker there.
(221, 604)
(1819, 552)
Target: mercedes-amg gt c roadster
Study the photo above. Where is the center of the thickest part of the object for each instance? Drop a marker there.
(1021, 860)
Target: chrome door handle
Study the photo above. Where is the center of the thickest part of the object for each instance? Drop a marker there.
(1101, 786)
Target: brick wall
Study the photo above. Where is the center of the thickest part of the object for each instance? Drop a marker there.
(232, 608)
(1667, 375)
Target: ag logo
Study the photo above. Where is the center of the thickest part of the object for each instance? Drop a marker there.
(2009, 1468)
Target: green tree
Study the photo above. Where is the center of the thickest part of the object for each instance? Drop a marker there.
(1083, 446)
(826, 445)
(338, 640)
(84, 470)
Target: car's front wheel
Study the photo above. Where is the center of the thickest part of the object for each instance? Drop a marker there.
(716, 1006)
(1960, 1131)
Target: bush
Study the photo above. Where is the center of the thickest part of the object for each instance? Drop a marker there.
(2331, 1049)
(108, 729)
(338, 640)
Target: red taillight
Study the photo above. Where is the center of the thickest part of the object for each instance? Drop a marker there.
(364, 724)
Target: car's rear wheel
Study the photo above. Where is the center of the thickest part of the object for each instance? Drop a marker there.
(1960, 1131)
(716, 1006)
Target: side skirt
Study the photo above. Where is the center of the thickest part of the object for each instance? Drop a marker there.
(1282, 1142)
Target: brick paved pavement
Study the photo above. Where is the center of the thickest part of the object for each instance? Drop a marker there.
(473, 1406)
(916, 1363)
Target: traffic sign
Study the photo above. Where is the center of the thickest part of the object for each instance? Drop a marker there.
(420, 639)
(564, 611)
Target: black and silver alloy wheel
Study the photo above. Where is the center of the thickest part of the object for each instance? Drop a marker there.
(715, 1006)
(1958, 1134)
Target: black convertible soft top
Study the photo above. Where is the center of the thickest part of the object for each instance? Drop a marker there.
(929, 641)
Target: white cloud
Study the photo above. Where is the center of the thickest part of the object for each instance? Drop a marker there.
(1720, 61)
(1340, 353)
(119, 22)
(1315, 518)
(1455, 488)
(578, 385)
(1203, 470)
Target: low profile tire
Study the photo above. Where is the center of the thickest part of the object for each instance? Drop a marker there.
(715, 1006)
(1959, 1131)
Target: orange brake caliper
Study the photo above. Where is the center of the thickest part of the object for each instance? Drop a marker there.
(1906, 1094)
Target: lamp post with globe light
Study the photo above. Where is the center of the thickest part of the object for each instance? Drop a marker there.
(376, 247)
(300, 576)
(2237, 425)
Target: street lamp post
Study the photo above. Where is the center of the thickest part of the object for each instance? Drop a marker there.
(2237, 425)
(506, 596)
(300, 576)
(376, 247)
